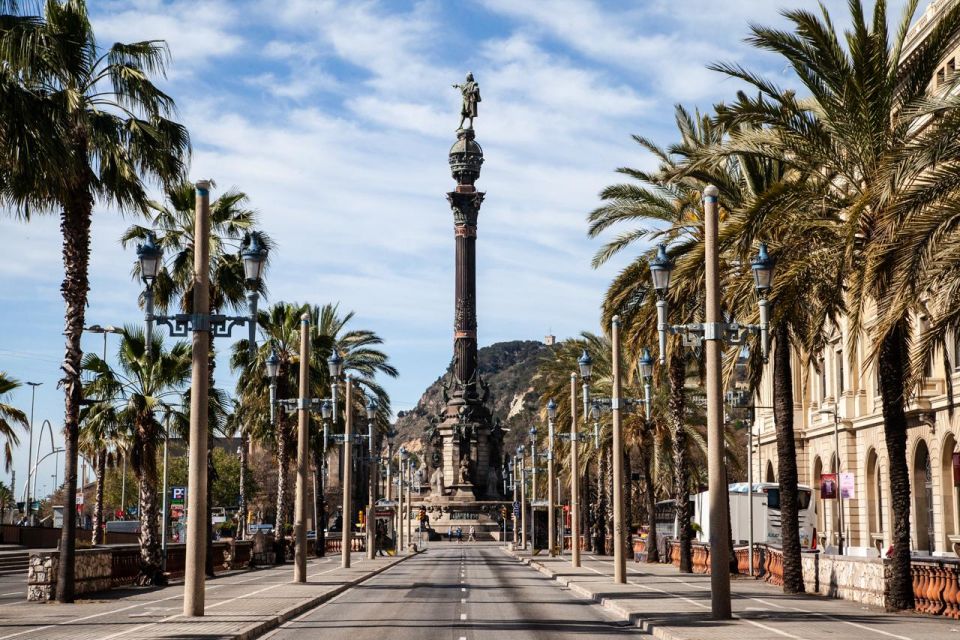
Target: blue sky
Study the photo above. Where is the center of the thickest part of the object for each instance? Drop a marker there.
(336, 119)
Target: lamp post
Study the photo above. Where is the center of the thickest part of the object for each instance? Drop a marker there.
(513, 485)
(533, 488)
(523, 498)
(713, 331)
(574, 477)
(203, 325)
(406, 516)
(836, 448)
(402, 454)
(551, 494)
(101, 455)
(29, 500)
(303, 454)
(346, 535)
(371, 483)
(619, 530)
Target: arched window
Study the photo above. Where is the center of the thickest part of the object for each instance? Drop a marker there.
(771, 477)
(922, 489)
(821, 511)
(874, 501)
(950, 497)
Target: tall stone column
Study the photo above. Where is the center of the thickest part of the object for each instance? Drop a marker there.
(466, 421)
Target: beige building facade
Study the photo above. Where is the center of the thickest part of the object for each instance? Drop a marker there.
(838, 419)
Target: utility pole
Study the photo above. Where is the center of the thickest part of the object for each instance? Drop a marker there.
(574, 477)
(619, 532)
(303, 454)
(194, 576)
(716, 470)
(346, 537)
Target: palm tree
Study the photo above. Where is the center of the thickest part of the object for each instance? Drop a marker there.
(667, 205)
(10, 418)
(145, 383)
(81, 125)
(231, 224)
(101, 435)
(6, 500)
(280, 332)
(883, 147)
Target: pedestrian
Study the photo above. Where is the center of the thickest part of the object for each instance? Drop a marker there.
(472, 537)
(460, 534)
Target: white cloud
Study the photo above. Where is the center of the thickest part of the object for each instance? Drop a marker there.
(195, 30)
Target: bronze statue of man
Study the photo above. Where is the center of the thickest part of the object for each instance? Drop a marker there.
(470, 91)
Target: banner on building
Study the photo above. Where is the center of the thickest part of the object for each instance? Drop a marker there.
(956, 468)
(848, 486)
(828, 486)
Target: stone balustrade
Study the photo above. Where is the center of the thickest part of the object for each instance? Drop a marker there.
(357, 543)
(936, 587)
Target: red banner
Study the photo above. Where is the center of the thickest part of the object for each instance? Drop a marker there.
(828, 486)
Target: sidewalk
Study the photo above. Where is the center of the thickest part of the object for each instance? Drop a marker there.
(238, 606)
(674, 606)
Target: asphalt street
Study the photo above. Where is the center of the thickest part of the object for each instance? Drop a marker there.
(13, 589)
(456, 592)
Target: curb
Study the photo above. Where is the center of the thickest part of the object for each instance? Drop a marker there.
(292, 612)
(633, 618)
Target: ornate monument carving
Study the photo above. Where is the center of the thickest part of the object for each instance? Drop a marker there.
(465, 435)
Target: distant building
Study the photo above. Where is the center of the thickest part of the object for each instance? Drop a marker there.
(550, 340)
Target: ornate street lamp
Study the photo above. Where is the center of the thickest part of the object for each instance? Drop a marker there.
(204, 327)
(254, 259)
(714, 331)
(150, 256)
(586, 365)
(645, 367)
(551, 489)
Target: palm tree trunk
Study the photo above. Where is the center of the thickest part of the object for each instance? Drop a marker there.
(100, 471)
(787, 462)
(242, 516)
(75, 229)
(892, 366)
(150, 561)
(283, 462)
(608, 454)
(319, 503)
(650, 497)
(681, 472)
(627, 496)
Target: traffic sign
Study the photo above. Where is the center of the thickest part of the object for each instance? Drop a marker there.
(516, 509)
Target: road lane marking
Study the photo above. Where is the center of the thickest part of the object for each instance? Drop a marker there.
(777, 606)
(463, 616)
(464, 589)
(463, 601)
(180, 615)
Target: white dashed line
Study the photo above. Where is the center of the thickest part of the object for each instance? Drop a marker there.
(463, 616)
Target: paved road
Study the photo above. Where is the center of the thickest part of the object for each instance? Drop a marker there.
(454, 592)
(13, 588)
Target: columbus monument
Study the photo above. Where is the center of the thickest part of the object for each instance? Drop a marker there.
(465, 439)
